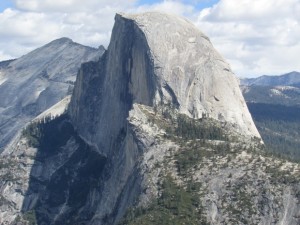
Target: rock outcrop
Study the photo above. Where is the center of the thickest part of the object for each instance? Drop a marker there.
(36, 81)
(159, 116)
(156, 59)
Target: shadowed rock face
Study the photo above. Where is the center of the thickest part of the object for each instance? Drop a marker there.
(155, 59)
(36, 81)
(105, 91)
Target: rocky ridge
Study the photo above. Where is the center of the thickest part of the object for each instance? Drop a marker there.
(33, 83)
(277, 95)
(275, 110)
(155, 130)
(180, 68)
(236, 182)
(231, 181)
(288, 79)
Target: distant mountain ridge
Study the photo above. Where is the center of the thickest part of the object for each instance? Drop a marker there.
(156, 132)
(281, 90)
(274, 103)
(280, 95)
(36, 81)
(288, 79)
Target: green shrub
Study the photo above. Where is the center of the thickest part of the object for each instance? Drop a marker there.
(198, 129)
(175, 206)
(30, 217)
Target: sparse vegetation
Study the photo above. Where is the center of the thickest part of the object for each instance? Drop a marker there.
(204, 167)
(30, 217)
(205, 157)
(180, 125)
(49, 133)
(50, 136)
(190, 129)
(175, 206)
(279, 127)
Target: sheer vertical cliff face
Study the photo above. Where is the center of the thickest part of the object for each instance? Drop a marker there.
(155, 59)
(112, 146)
(105, 91)
(104, 94)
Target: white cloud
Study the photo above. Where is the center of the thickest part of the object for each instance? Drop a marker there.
(3, 55)
(70, 5)
(37, 22)
(245, 10)
(174, 7)
(21, 32)
(256, 36)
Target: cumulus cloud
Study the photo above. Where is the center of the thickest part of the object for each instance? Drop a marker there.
(70, 5)
(174, 7)
(21, 32)
(36, 22)
(256, 36)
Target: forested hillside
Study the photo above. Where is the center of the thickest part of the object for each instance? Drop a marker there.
(276, 113)
(279, 127)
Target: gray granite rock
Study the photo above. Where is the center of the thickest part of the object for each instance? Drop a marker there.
(155, 59)
(36, 81)
(119, 150)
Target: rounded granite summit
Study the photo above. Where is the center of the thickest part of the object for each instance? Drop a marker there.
(156, 59)
(190, 71)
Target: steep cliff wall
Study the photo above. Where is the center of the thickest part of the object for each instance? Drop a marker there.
(105, 91)
(160, 104)
(155, 59)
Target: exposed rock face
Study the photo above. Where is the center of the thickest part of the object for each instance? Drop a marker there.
(145, 64)
(190, 72)
(74, 184)
(36, 81)
(120, 138)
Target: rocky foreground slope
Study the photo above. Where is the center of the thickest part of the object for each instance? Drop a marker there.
(157, 132)
(33, 83)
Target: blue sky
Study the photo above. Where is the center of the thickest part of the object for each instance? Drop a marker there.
(5, 4)
(255, 36)
(196, 3)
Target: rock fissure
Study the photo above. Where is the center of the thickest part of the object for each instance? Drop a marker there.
(156, 130)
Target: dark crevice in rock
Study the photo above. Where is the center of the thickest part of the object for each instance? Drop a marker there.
(173, 96)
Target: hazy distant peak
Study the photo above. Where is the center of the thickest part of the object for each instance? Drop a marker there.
(101, 47)
(62, 40)
(34, 82)
(291, 78)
